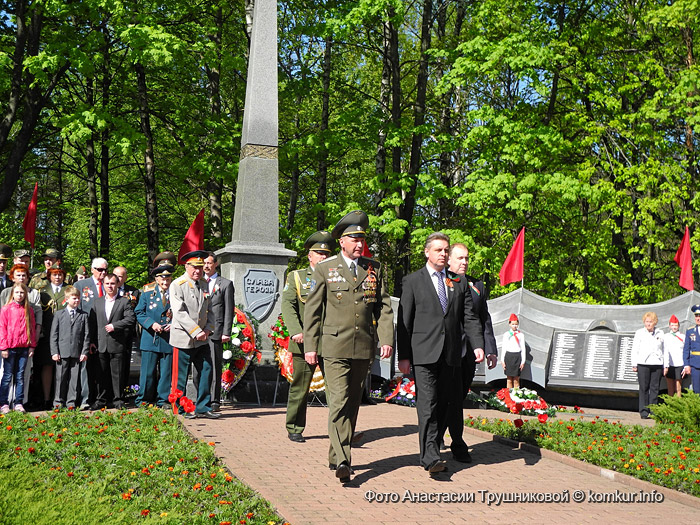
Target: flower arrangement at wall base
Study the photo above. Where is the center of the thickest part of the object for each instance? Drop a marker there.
(400, 391)
(280, 343)
(241, 352)
(521, 401)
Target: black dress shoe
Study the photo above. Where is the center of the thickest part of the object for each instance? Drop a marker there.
(190, 415)
(343, 471)
(296, 437)
(462, 457)
(97, 406)
(437, 466)
(119, 405)
(215, 407)
(209, 415)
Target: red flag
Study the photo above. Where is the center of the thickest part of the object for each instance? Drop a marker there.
(365, 250)
(194, 238)
(29, 222)
(684, 260)
(512, 269)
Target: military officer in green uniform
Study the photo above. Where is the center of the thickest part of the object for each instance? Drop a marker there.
(294, 297)
(347, 304)
(41, 280)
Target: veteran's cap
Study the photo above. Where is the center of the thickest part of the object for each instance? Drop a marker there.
(353, 224)
(164, 270)
(22, 253)
(81, 270)
(195, 258)
(5, 252)
(56, 268)
(320, 241)
(52, 252)
(695, 309)
(165, 256)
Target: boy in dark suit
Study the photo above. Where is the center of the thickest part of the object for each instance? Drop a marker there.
(111, 324)
(70, 343)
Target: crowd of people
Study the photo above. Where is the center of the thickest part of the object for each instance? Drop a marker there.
(75, 335)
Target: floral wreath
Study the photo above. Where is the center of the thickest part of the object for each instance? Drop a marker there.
(280, 343)
(240, 352)
(400, 391)
(521, 401)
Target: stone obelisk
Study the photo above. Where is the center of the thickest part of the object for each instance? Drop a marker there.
(255, 260)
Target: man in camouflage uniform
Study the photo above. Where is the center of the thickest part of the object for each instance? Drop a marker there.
(294, 298)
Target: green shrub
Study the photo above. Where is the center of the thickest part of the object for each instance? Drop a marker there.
(684, 410)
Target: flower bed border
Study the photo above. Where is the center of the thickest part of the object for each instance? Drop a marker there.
(625, 479)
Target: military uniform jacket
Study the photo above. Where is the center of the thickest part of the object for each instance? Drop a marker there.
(51, 303)
(691, 348)
(154, 307)
(344, 315)
(294, 297)
(191, 312)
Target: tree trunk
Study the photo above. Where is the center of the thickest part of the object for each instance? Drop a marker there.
(406, 209)
(92, 178)
(215, 184)
(323, 160)
(149, 171)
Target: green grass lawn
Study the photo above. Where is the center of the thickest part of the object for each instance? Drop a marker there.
(666, 454)
(69, 467)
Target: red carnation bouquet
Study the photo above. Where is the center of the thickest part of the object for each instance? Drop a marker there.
(240, 352)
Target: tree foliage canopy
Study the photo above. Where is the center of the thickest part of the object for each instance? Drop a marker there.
(575, 120)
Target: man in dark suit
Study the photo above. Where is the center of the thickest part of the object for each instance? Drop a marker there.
(458, 264)
(132, 294)
(111, 322)
(223, 307)
(347, 308)
(434, 310)
(90, 289)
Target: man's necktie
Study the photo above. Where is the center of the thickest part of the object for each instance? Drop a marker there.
(353, 269)
(72, 316)
(442, 293)
(100, 292)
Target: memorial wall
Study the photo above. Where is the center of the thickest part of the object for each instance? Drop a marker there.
(575, 346)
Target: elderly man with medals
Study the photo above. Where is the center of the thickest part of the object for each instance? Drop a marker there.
(154, 314)
(191, 327)
(294, 297)
(347, 304)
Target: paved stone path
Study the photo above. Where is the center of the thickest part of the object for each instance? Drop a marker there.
(295, 478)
